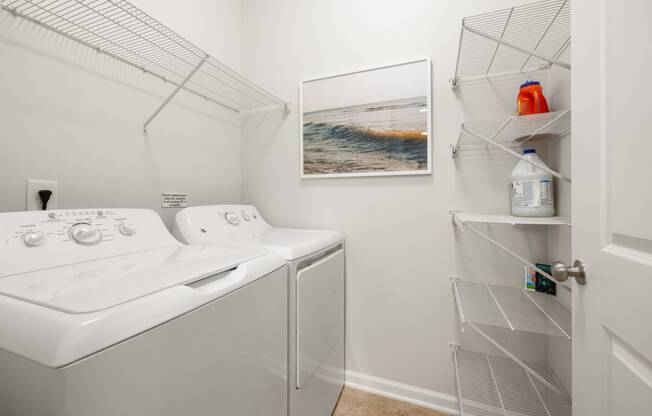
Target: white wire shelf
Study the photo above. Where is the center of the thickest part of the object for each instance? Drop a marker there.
(511, 307)
(495, 386)
(513, 130)
(464, 221)
(518, 40)
(465, 217)
(118, 29)
(506, 133)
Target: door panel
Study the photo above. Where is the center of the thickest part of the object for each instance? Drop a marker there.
(320, 314)
(630, 379)
(612, 231)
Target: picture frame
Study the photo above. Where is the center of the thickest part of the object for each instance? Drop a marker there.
(368, 122)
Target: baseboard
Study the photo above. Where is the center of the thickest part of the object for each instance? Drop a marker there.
(429, 399)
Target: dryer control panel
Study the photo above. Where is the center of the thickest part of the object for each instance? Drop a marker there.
(223, 224)
(236, 215)
(34, 240)
(242, 226)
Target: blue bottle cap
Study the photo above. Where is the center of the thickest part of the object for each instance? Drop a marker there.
(528, 83)
(526, 151)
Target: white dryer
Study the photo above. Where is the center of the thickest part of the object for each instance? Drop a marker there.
(316, 294)
(104, 313)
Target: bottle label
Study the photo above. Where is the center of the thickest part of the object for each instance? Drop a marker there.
(533, 193)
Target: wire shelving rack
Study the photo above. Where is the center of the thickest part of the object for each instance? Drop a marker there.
(489, 385)
(518, 40)
(118, 29)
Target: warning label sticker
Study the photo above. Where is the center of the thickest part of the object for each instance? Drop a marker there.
(174, 200)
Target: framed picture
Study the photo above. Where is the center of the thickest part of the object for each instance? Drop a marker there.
(373, 122)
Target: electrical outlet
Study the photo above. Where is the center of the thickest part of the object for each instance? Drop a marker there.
(33, 198)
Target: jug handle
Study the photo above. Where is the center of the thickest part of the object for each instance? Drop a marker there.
(538, 100)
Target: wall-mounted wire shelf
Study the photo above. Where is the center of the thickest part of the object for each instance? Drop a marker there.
(513, 130)
(511, 307)
(118, 29)
(506, 132)
(464, 217)
(464, 221)
(495, 386)
(518, 40)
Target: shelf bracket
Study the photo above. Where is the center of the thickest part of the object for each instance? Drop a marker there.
(552, 61)
(458, 302)
(500, 307)
(458, 386)
(455, 146)
(545, 126)
(515, 154)
(174, 93)
(455, 80)
(458, 222)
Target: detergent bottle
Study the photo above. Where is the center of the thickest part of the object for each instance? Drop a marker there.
(531, 188)
(531, 100)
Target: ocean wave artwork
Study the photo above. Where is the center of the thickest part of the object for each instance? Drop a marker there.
(387, 136)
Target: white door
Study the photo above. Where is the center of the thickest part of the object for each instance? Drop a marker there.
(612, 206)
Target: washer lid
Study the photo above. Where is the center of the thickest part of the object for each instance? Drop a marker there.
(97, 285)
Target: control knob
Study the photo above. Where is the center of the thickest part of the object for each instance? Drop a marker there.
(33, 238)
(127, 230)
(232, 218)
(84, 233)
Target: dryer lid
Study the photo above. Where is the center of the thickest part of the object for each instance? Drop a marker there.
(101, 284)
(242, 225)
(293, 244)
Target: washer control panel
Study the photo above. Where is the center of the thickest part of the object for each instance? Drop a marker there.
(33, 240)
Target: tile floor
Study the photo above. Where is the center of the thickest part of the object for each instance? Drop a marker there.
(358, 403)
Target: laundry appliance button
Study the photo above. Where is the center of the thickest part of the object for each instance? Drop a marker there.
(127, 230)
(232, 218)
(85, 234)
(33, 238)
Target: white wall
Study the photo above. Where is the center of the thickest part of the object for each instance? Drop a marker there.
(400, 241)
(72, 115)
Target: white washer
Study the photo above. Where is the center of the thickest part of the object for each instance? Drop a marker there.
(316, 294)
(104, 313)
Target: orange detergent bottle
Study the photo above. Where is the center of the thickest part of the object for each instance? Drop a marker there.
(531, 100)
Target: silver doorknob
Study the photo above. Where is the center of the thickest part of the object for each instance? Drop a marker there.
(561, 272)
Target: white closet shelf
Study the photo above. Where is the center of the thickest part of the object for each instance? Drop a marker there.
(512, 130)
(518, 40)
(464, 221)
(511, 307)
(464, 217)
(506, 132)
(495, 386)
(118, 29)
